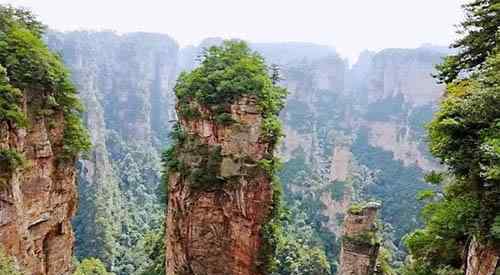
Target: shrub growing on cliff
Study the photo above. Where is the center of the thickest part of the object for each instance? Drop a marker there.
(10, 101)
(7, 265)
(10, 160)
(27, 65)
(225, 74)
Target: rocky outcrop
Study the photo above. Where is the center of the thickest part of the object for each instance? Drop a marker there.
(39, 199)
(216, 229)
(481, 260)
(360, 246)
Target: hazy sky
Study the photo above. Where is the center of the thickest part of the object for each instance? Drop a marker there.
(348, 25)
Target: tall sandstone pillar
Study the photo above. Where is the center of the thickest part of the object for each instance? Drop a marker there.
(216, 230)
(360, 245)
(220, 184)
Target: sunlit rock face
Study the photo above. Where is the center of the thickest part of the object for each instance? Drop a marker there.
(214, 228)
(38, 200)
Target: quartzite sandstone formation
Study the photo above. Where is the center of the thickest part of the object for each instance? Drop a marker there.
(41, 135)
(221, 168)
(38, 201)
(360, 246)
(218, 231)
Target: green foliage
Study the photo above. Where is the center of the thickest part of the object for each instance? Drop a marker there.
(125, 206)
(356, 208)
(155, 249)
(307, 224)
(10, 101)
(28, 65)
(297, 258)
(434, 177)
(426, 194)
(189, 112)
(7, 265)
(384, 260)
(228, 72)
(495, 228)
(400, 204)
(368, 238)
(91, 266)
(24, 17)
(10, 160)
(224, 119)
(464, 135)
(75, 136)
(479, 40)
(272, 131)
(337, 190)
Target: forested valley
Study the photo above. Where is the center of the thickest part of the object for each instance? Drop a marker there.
(125, 153)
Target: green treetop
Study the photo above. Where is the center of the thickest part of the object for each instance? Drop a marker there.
(465, 136)
(480, 35)
(28, 67)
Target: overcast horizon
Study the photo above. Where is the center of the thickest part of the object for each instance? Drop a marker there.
(348, 26)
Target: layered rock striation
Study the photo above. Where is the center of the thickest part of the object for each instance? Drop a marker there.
(39, 200)
(40, 137)
(221, 170)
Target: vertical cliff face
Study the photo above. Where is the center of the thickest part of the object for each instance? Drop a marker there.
(360, 246)
(40, 137)
(125, 83)
(481, 259)
(217, 231)
(39, 200)
(220, 169)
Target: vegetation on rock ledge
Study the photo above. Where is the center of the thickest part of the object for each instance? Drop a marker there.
(27, 66)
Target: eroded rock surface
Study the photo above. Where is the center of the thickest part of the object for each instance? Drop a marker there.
(482, 260)
(39, 199)
(214, 228)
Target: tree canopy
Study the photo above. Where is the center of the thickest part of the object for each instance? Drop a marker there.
(28, 66)
(480, 35)
(465, 136)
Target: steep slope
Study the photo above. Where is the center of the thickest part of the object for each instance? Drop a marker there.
(125, 83)
(40, 137)
(221, 166)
